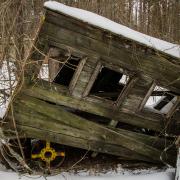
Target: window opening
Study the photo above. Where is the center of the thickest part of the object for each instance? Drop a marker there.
(67, 71)
(161, 99)
(109, 84)
(59, 66)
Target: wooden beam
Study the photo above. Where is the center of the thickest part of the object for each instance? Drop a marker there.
(31, 112)
(148, 94)
(46, 134)
(97, 32)
(174, 108)
(87, 40)
(76, 75)
(93, 77)
(112, 123)
(58, 94)
(84, 76)
(126, 91)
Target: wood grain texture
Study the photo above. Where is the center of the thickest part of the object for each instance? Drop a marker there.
(92, 40)
(32, 113)
(58, 94)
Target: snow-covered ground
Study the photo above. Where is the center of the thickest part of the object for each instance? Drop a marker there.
(7, 84)
(119, 175)
(155, 176)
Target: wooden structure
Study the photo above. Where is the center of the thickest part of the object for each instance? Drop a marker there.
(95, 98)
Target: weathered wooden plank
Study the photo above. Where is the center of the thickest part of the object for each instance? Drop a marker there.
(28, 112)
(92, 78)
(54, 67)
(26, 116)
(121, 97)
(112, 123)
(148, 94)
(57, 94)
(174, 108)
(97, 33)
(134, 100)
(125, 93)
(84, 77)
(93, 131)
(77, 73)
(45, 134)
(154, 141)
(161, 71)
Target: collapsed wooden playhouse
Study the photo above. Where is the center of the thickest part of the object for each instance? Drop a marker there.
(94, 99)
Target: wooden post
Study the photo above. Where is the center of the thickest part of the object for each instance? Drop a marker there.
(178, 160)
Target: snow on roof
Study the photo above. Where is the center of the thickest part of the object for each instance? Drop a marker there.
(104, 23)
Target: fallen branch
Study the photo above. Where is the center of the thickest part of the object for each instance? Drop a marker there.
(4, 142)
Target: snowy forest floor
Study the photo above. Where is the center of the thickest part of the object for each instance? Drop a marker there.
(118, 174)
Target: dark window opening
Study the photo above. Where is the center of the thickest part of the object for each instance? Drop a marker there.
(67, 71)
(164, 101)
(161, 100)
(109, 84)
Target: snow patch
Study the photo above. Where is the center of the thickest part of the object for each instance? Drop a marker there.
(7, 84)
